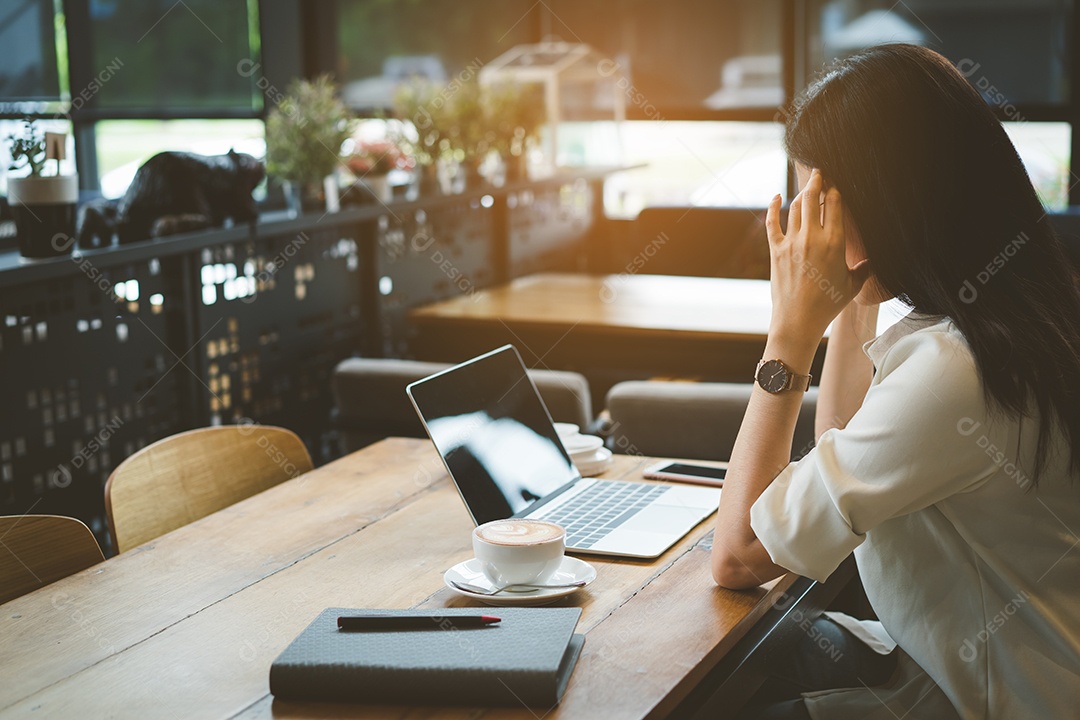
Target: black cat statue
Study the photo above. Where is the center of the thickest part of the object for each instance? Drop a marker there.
(175, 192)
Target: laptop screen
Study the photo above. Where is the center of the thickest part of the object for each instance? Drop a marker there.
(494, 434)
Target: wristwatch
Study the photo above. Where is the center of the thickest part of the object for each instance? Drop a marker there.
(775, 377)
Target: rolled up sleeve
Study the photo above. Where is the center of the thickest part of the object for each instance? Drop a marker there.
(798, 521)
(909, 446)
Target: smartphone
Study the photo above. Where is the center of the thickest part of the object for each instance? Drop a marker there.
(688, 473)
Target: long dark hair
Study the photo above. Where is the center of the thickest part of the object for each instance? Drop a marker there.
(951, 223)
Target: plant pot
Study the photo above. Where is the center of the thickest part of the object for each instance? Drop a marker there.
(44, 212)
(471, 177)
(303, 197)
(293, 201)
(516, 167)
(379, 187)
(429, 181)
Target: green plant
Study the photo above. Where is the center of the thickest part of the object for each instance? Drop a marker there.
(28, 149)
(471, 135)
(305, 131)
(466, 120)
(423, 106)
(516, 113)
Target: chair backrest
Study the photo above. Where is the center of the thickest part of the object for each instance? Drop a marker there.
(372, 404)
(691, 420)
(699, 241)
(36, 550)
(187, 476)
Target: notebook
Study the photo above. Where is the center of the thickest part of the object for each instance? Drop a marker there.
(525, 660)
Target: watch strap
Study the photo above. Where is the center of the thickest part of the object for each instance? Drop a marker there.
(798, 382)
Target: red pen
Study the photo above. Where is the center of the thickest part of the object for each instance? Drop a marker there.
(414, 622)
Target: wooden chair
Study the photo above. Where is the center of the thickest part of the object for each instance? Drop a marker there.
(36, 550)
(190, 475)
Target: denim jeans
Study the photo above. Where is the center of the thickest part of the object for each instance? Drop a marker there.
(827, 657)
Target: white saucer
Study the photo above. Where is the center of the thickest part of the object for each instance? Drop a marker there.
(571, 570)
(595, 463)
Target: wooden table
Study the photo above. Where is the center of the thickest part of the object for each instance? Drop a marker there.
(660, 307)
(187, 626)
(611, 327)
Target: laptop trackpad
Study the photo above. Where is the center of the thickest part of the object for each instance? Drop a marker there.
(635, 542)
(665, 519)
(651, 531)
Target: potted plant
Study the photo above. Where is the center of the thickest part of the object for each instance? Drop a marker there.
(43, 205)
(420, 105)
(371, 162)
(516, 113)
(304, 134)
(470, 135)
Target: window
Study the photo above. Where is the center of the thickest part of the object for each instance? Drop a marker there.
(719, 163)
(1014, 51)
(381, 43)
(1044, 148)
(688, 60)
(683, 57)
(30, 71)
(181, 56)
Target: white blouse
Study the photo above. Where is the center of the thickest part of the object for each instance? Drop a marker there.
(973, 573)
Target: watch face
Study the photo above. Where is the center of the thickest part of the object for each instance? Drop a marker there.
(773, 376)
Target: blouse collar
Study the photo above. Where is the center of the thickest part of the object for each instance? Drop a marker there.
(879, 347)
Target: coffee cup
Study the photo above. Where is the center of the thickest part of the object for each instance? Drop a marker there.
(517, 552)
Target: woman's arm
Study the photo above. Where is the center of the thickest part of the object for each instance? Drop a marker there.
(761, 451)
(847, 372)
(811, 284)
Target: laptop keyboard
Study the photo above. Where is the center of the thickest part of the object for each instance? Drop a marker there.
(606, 505)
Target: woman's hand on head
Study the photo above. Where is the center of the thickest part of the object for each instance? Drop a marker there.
(811, 282)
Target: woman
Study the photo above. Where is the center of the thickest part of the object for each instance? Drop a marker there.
(947, 453)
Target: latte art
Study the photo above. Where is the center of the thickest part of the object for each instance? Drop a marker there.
(519, 532)
(514, 551)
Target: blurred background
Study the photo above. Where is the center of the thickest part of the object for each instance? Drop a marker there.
(703, 79)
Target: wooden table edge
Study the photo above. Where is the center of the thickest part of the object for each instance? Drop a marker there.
(423, 319)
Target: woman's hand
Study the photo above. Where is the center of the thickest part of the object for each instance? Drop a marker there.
(811, 282)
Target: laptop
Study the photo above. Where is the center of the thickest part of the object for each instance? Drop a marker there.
(498, 443)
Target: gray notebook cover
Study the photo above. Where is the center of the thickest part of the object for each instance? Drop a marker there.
(524, 660)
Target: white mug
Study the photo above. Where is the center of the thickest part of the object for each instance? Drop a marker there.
(518, 552)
